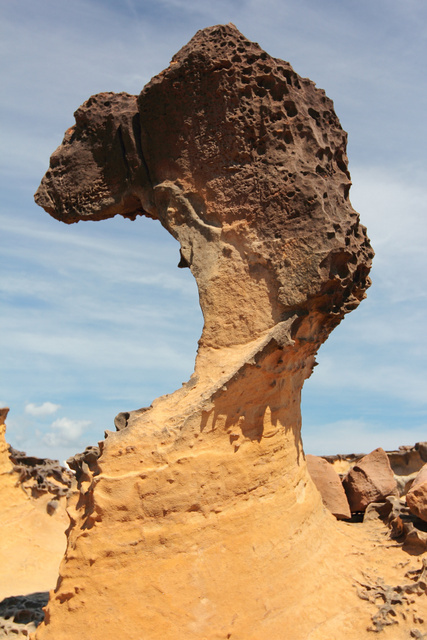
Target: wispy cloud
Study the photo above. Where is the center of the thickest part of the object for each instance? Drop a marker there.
(139, 252)
(393, 205)
(65, 431)
(361, 373)
(380, 352)
(45, 409)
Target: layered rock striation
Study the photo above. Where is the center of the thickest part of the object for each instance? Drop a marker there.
(199, 512)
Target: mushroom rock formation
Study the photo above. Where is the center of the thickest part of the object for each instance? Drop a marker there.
(199, 517)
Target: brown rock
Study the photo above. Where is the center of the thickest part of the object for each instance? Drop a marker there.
(421, 447)
(370, 480)
(329, 485)
(201, 507)
(405, 463)
(416, 498)
(41, 475)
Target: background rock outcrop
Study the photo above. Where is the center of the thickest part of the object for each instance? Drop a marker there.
(329, 485)
(416, 497)
(201, 507)
(370, 480)
(33, 495)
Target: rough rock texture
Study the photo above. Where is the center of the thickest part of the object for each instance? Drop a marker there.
(405, 463)
(329, 486)
(85, 462)
(391, 598)
(41, 475)
(370, 480)
(33, 522)
(416, 498)
(405, 527)
(20, 615)
(201, 507)
(408, 459)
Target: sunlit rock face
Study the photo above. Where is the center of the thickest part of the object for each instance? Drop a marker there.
(199, 516)
(33, 522)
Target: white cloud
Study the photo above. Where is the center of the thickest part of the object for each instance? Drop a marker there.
(65, 431)
(45, 409)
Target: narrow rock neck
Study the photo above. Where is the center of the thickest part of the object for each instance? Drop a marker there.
(238, 297)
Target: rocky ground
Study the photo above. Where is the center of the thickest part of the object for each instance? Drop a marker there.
(386, 543)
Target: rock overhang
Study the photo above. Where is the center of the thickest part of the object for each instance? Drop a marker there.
(245, 163)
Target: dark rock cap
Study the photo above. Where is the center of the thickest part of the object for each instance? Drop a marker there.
(244, 162)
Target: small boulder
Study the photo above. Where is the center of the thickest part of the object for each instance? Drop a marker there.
(329, 485)
(416, 498)
(370, 480)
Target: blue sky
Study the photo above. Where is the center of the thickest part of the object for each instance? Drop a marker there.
(96, 318)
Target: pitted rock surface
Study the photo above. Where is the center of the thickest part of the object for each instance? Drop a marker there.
(20, 615)
(245, 163)
(41, 475)
(201, 506)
